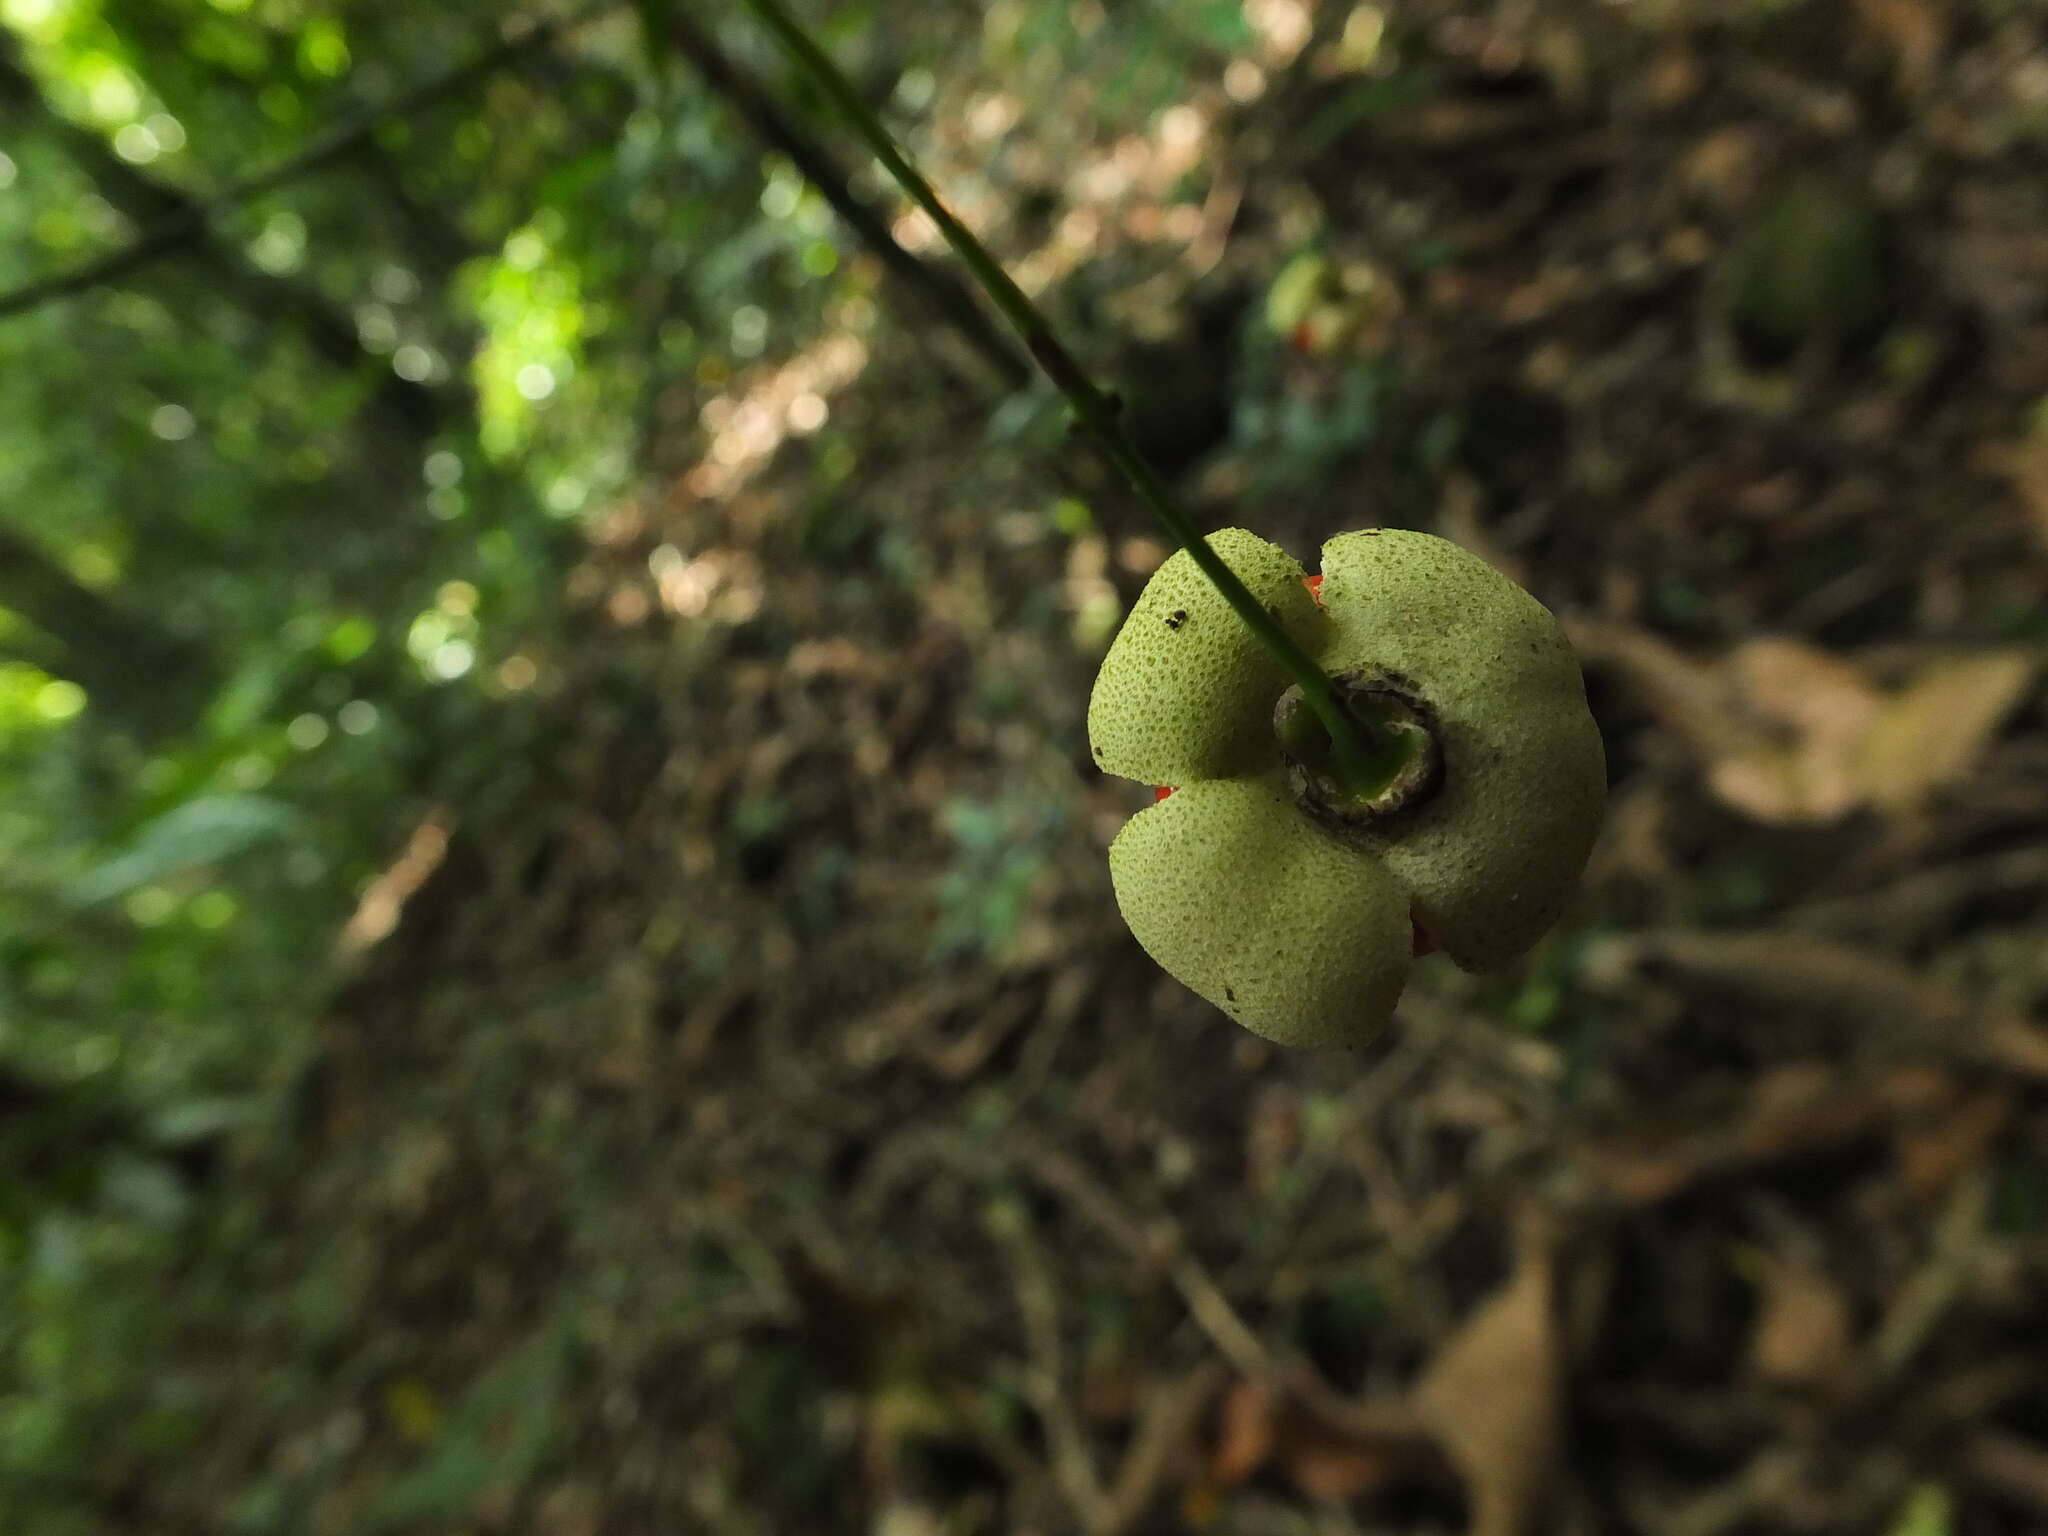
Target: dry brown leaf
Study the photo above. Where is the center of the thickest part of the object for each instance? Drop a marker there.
(1823, 705)
(1635, 1176)
(1327, 1456)
(1798, 1107)
(1933, 1153)
(1777, 722)
(1723, 165)
(1912, 29)
(1859, 986)
(1920, 1090)
(2013, 1467)
(1173, 1407)
(1332, 1470)
(1810, 689)
(1794, 1110)
(1494, 1397)
(1914, 1311)
(1780, 968)
(1636, 839)
(1244, 1432)
(1789, 733)
(2025, 464)
(2019, 1046)
(1802, 1328)
(1935, 730)
(1691, 697)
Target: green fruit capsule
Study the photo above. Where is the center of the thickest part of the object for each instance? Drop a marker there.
(1186, 692)
(1242, 899)
(1291, 912)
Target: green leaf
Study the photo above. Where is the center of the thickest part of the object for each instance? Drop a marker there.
(1929, 1512)
(1222, 24)
(1363, 102)
(202, 831)
(653, 16)
(498, 1434)
(194, 1120)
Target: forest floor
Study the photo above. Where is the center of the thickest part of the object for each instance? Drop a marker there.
(765, 1122)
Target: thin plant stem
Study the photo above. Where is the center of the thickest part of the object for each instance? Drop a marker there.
(1099, 415)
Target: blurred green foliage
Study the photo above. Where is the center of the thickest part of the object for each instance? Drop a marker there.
(323, 326)
(376, 304)
(1812, 269)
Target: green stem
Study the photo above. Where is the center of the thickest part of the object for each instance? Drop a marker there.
(1099, 415)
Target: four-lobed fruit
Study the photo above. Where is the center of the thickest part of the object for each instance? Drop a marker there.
(1298, 925)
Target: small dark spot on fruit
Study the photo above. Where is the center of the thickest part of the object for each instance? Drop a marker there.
(1229, 995)
(1175, 619)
